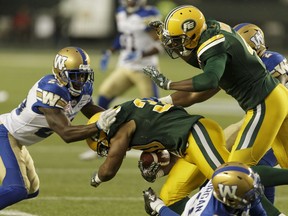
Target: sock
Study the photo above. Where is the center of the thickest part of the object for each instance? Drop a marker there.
(179, 206)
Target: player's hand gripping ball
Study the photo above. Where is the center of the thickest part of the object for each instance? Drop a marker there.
(161, 157)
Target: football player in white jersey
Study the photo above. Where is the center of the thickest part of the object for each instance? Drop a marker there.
(233, 190)
(50, 106)
(139, 46)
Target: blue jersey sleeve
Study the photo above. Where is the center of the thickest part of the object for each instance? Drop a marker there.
(51, 94)
(272, 59)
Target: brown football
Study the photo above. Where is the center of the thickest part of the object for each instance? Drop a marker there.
(162, 157)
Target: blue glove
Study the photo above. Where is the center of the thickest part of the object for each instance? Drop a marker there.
(105, 59)
(133, 56)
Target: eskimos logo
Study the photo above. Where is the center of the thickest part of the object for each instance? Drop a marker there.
(188, 25)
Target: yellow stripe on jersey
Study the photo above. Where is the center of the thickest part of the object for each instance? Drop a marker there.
(50, 98)
(210, 43)
(151, 147)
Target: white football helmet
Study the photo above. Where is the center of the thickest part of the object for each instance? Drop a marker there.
(71, 67)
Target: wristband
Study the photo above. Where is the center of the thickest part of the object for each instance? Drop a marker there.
(168, 85)
(96, 179)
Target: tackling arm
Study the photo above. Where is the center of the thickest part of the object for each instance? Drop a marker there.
(90, 109)
(60, 124)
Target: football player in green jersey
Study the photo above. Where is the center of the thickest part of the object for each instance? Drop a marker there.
(196, 145)
(228, 63)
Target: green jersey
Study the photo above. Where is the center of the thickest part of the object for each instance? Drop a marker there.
(243, 76)
(158, 126)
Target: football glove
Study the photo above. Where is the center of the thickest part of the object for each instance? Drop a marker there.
(152, 172)
(105, 60)
(158, 26)
(159, 79)
(95, 181)
(152, 203)
(106, 119)
(133, 56)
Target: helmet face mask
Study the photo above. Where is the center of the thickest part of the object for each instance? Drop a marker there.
(236, 185)
(72, 69)
(176, 46)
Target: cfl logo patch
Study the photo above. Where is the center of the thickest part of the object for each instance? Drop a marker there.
(59, 62)
(188, 25)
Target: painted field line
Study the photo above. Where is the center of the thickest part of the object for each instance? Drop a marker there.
(15, 213)
(54, 198)
(101, 198)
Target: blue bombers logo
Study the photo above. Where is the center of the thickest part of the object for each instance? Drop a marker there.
(257, 39)
(188, 25)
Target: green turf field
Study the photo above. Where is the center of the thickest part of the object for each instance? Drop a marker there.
(65, 188)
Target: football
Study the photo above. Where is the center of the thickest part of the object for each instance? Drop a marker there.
(162, 157)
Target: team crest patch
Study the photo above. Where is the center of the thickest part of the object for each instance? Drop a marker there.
(188, 25)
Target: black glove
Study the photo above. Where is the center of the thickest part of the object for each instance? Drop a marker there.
(150, 173)
(152, 203)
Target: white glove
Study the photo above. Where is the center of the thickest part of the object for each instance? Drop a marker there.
(158, 78)
(106, 119)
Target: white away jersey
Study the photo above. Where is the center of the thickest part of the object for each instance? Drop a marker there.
(28, 125)
(133, 36)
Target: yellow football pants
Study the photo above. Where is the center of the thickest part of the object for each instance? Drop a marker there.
(205, 152)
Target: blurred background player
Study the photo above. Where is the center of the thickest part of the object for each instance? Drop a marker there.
(233, 190)
(277, 66)
(50, 106)
(139, 46)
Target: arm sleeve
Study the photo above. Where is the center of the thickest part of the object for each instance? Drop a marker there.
(166, 211)
(213, 71)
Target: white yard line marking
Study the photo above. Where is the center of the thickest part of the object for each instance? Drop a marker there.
(52, 198)
(15, 213)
